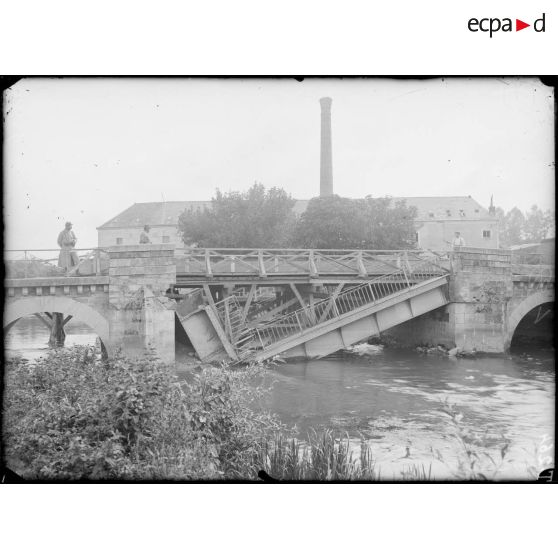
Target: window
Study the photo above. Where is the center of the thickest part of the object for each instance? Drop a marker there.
(461, 213)
(448, 213)
(119, 240)
(416, 237)
(486, 234)
(166, 239)
(431, 214)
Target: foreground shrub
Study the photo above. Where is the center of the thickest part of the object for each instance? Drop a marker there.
(227, 409)
(71, 416)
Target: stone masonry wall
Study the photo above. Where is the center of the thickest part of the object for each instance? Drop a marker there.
(142, 317)
(432, 328)
(480, 289)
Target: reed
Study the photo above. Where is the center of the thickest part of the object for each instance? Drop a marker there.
(321, 457)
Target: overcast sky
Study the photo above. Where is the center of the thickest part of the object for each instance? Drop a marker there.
(86, 149)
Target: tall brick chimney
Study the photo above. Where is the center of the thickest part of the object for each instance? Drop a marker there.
(326, 172)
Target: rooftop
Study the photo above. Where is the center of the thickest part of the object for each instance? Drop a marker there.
(435, 208)
(441, 208)
(153, 213)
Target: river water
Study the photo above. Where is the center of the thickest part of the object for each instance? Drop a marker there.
(395, 399)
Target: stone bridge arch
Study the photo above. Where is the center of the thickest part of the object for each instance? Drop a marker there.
(520, 311)
(14, 310)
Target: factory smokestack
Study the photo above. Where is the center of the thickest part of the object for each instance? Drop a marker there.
(326, 172)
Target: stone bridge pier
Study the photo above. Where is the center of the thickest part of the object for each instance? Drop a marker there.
(141, 317)
(488, 295)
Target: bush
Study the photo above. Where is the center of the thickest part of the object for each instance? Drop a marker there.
(227, 413)
(17, 269)
(72, 416)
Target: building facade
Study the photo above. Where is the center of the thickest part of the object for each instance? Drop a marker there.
(439, 218)
(162, 217)
(436, 222)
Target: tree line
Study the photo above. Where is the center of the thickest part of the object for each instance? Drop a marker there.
(264, 218)
(517, 227)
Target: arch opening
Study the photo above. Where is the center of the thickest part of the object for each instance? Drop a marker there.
(535, 330)
(96, 323)
(541, 322)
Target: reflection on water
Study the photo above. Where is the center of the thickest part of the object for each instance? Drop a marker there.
(28, 337)
(395, 399)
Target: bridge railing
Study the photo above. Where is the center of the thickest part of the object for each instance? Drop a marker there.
(208, 262)
(337, 305)
(43, 262)
(233, 321)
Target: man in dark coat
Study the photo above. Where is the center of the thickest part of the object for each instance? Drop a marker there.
(68, 256)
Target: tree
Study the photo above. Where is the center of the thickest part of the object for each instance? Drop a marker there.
(257, 218)
(517, 228)
(538, 224)
(511, 227)
(330, 222)
(343, 223)
(390, 226)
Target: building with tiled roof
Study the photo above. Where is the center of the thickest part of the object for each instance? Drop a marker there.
(437, 220)
(440, 217)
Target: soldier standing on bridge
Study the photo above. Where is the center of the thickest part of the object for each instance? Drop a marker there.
(144, 236)
(458, 240)
(68, 257)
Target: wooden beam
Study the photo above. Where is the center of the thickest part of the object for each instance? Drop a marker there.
(46, 321)
(312, 265)
(214, 318)
(57, 334)
(308, 312)
(360, 264)
(333, 298)
(208, 271)
(274, 311)
(539, 317)
(209, 296)
(228, 327)
(312, 308)
(261, 264)
(251, 293)
(297, 294)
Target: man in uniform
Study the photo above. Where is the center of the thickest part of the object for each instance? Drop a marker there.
(458, 240)
(144, 236)
(68, 257)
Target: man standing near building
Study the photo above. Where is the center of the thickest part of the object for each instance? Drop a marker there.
(458, 240)
(144, 236)
(68, 257)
